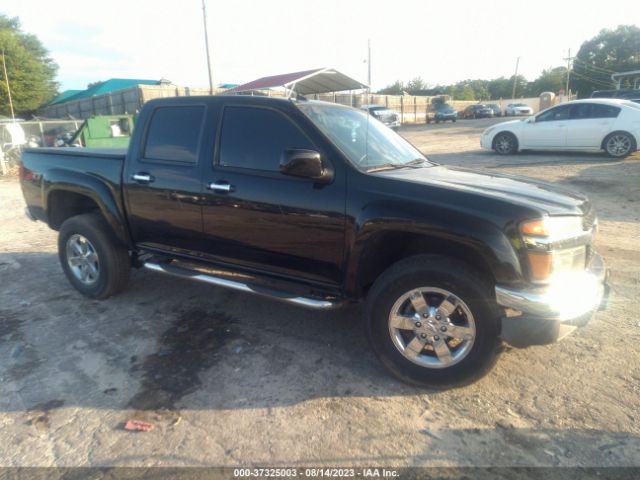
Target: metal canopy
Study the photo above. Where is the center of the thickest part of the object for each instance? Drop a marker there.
(320, 80)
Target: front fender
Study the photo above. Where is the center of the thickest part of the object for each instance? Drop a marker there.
(446, 227)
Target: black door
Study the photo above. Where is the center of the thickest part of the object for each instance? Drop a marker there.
(162, 180)
(255, 216)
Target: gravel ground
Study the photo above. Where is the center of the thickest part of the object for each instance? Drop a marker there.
(230, 379)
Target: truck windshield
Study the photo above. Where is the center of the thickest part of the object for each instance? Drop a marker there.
(366, 142)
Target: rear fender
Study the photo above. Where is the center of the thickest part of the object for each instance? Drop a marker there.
(57, 180)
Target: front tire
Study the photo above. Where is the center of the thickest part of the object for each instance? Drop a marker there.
(505, 143)
(431, 321)
(94, 261)
(619, 144)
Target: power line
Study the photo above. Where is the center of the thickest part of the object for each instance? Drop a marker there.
(593, 67)
(593, 80)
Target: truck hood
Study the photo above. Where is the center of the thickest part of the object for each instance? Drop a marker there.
(553, 199)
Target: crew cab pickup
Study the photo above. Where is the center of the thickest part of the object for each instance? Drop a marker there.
(320, 205)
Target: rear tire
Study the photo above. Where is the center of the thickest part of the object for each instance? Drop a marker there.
(93, 260)
(619, 144)
(423, 350)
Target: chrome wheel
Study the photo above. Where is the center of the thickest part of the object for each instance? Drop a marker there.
(504, 144)
(618, 145)
(82, 259)
(432, 327)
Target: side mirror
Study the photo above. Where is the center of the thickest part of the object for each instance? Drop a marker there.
(305, 164)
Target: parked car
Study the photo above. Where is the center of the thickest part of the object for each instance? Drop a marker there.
(497, 111)
(313, 204)
(477, 111)
(441, 112)
(632, 94)
(387, 116)
(514, 109)
(592, 125)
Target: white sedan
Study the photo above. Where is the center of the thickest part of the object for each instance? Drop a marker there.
(514, 109)
(591, 125)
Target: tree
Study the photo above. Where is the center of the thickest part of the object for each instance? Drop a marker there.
(608, 52)
(30, 70)
(551, 80)
(500, 88)
(415, 86)
(396, 88)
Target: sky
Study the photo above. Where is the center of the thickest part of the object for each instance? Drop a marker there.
(439, 41)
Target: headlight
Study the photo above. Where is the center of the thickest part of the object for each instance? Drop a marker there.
(554, 228)
(555, 246)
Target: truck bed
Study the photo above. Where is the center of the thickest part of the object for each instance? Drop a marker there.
(44, 169)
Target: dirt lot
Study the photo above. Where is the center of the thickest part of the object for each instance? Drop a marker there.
(231, 379)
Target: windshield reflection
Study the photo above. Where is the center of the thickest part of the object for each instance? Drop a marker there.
(367, 142)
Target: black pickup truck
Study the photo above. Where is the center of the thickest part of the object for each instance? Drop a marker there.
(321, 205)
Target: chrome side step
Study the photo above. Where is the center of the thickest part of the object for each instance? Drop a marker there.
(243, 287)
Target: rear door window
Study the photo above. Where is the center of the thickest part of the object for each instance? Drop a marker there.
(174, 134)
(599, 110)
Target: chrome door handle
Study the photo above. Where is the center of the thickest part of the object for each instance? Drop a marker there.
(220, 187)
(142, 177)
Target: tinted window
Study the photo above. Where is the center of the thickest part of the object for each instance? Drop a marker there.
(256, 138)
(599, 110)
(556, 113)
(581, 111)
(174, 134)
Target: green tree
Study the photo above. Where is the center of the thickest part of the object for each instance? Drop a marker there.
(608, 52)
(500, 88)
(415, 86)
(551, 80)
(396, 88)
(30, 70)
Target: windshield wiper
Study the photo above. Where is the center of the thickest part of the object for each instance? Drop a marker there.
(386, 166)
(394, 166)
(416, 161)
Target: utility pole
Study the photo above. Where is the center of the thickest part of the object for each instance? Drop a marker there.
(206, 44)
(6, 78)
(369, 63)
(568, 59)
(515, 79)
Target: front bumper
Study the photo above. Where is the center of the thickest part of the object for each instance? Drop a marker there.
(486, 142)
(549, 313)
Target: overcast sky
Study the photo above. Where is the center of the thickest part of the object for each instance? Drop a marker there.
(442, 42)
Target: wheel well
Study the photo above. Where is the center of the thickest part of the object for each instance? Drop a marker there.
(63, 205)
(389, 248)
(604, 140)
(493, 142)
